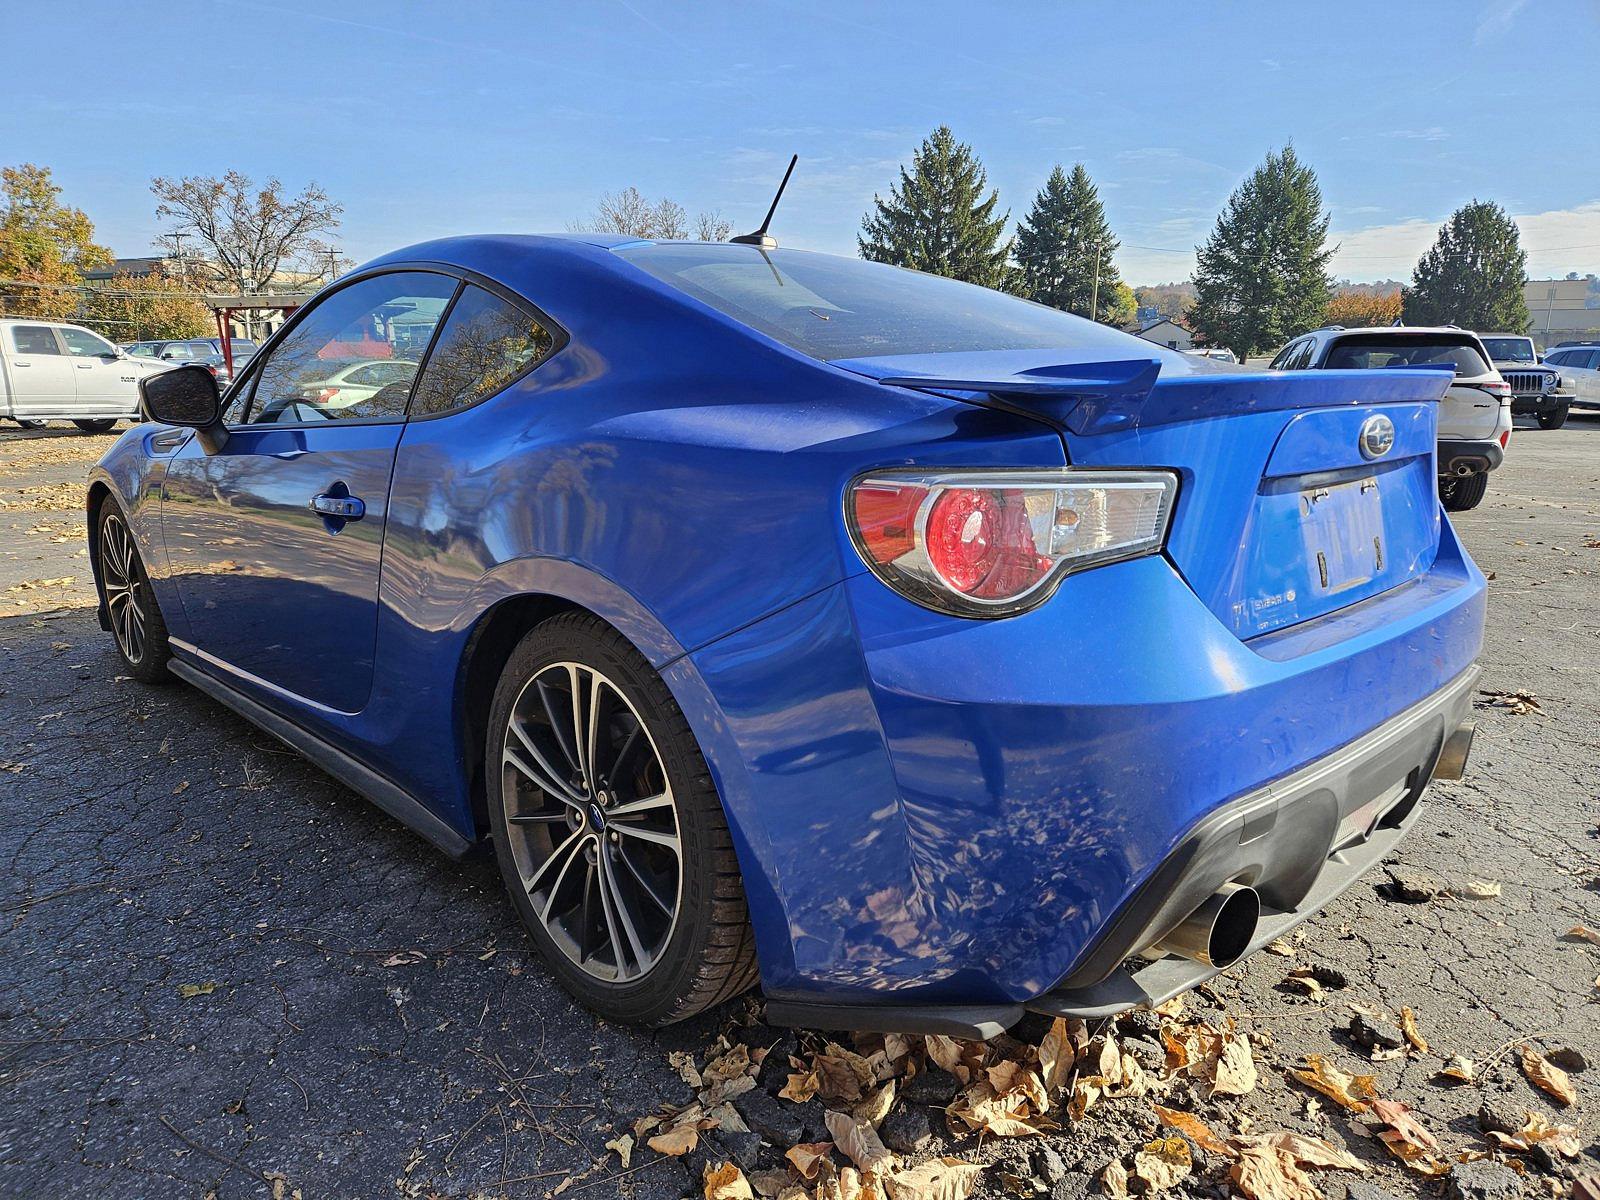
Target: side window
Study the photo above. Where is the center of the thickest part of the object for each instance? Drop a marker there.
(388, 319)
(83, 344)
(1590, 360)
(1283, 356)
(34, 339)
(485, 344)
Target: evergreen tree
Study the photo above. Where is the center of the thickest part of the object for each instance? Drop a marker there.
(1262, 275)
(1473, 274)
(937, 218)
(1058, 242)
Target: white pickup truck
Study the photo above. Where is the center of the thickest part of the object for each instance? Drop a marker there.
(55, 372)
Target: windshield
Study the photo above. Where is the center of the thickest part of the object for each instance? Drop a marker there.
(1370, 351)
(1510, 349)
(841, 308)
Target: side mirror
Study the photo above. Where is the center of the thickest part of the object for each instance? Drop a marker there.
(189, 397)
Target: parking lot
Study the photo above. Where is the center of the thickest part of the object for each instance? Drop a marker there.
(226, 975)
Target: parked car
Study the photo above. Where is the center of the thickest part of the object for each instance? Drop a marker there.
(784, 616)
(354, 382)
(1216, 353)
(1579, 364)
(1535, 389)
(51, 371)
(244, 350)
(1474, 416)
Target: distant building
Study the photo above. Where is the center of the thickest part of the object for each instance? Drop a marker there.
(1563, 310)
(1164, 331)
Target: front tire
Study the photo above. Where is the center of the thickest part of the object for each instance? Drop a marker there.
(608, 830)
(97, 426)
(1556, 417)
(1461, 494)
(136, 622)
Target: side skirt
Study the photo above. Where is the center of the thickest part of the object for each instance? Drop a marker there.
(395, 801)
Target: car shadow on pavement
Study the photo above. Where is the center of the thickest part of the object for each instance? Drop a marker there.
(221, 967)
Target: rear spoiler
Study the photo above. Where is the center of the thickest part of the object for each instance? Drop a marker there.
(1100, 397)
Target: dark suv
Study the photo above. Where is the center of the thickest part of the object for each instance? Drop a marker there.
(1535, 389)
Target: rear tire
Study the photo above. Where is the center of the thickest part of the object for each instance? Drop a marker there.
(602, 807)
(96, 426)
(1556, 417)
(136, 623)
(1461, 494)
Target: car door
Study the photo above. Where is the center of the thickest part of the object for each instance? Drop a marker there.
(275, 540)
(106, 381)
(43, 382)
(1586, 376)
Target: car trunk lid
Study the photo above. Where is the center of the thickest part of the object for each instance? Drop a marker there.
(1300, 493)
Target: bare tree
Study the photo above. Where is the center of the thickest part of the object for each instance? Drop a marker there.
(629, 212)
(247, 234)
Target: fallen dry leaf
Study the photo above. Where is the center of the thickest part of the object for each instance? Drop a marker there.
(682, 1132)
(1196, 1130)
(844, 1075)
(1309, 1151)
(875, 1106)
(1114, 1180)
(1583, 933)
(1163, 1163)
(1413, 1035)
(683, 1064)
(936, 1179)
(190, 990)
(1520, 702)
(725, 1181)
(1544, 1074)
(1236, 1068)
(1353, 1092)
(962, 1059)
(1056, 1056)
(1537, 1129)
(624, 1147)
(1264, 1172)
(1406, 1139)
(405, 958)
(1280, 946)
(858, 1141)
(808, 1157)
(1464, 1070)
(1478, 889)
(803, 1084)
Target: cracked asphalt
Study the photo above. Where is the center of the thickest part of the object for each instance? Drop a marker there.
(223, 974)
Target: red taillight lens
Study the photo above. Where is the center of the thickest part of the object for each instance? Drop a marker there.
(1505, 439)
(885, 516)
(326, 394)
(987, 543)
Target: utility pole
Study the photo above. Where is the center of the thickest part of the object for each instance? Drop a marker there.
(1094, 292)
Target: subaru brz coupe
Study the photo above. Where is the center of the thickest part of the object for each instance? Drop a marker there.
(924, 654)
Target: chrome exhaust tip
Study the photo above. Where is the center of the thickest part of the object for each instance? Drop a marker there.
(1453, 756)
(1219, 931)
(1463, 469)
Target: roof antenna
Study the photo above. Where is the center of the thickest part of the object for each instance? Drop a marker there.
(761, 237)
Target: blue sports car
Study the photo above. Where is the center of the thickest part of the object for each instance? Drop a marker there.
(924, 654)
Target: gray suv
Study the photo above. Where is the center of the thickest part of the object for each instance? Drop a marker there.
(1535, 389)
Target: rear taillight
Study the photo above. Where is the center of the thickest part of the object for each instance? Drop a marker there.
(326, 394)
(1505, 439)
(986, 543)
(1498, 388)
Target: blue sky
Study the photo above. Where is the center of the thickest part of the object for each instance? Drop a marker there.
(438, 117)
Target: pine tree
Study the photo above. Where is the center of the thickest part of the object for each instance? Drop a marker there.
(1473, 274)
(1058, 242)
(937, 219)
(1262, 275)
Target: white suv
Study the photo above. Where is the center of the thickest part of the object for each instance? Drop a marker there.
(1474, 416)
(1579, 364)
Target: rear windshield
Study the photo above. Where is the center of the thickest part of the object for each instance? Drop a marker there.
(1408, 350)
(1509, 349)
(840, 308)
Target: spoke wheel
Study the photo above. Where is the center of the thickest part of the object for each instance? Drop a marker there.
(592, 822)
(124, 588)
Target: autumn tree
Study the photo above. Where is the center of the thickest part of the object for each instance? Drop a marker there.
(147, 308)
(1262, 275)
(938, 218)
(629, 212)
(247, 234)
(1360, 310)
(1063, 249)
(1473, 274)
(1119, 308)
(45, 245)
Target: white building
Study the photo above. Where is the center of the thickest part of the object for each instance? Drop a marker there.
(1166, 332)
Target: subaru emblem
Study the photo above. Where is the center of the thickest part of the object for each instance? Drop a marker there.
(1377, 436)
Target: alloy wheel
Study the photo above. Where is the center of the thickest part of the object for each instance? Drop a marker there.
(592, 824)
(123, 586)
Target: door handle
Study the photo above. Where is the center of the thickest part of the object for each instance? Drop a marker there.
(338, 508)
(84, 366)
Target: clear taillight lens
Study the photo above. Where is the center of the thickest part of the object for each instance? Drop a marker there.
(988, 543)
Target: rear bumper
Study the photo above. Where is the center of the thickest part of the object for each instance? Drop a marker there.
(1300, 841)
(1469, 456)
